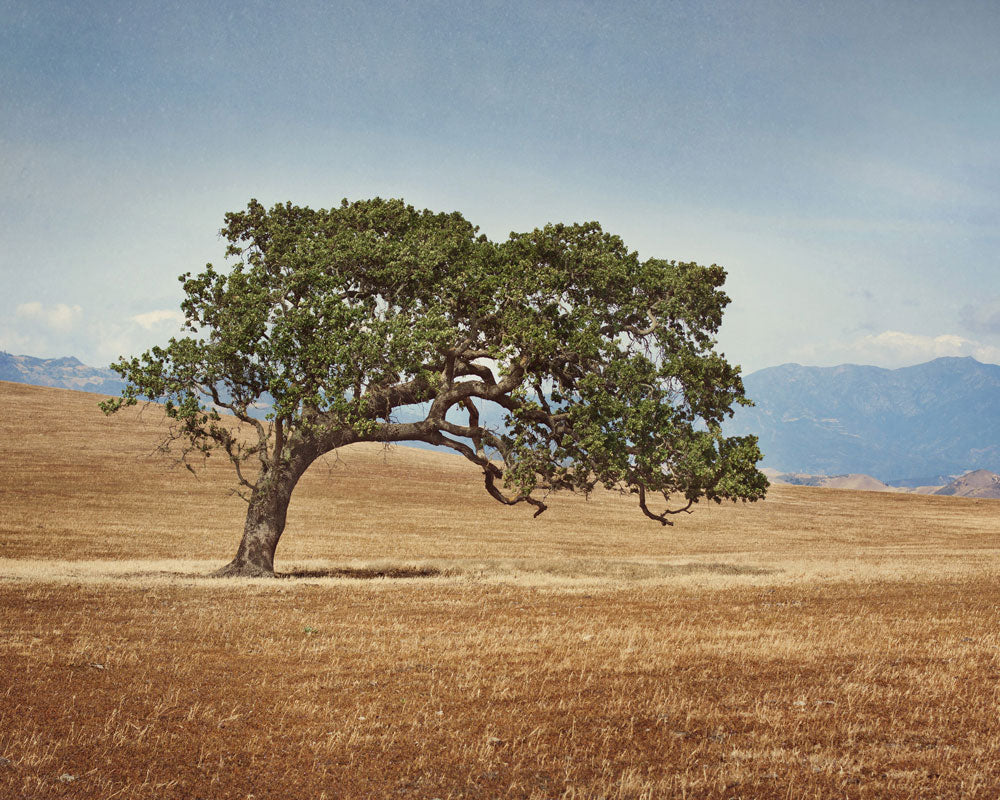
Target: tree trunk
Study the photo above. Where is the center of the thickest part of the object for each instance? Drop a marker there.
(264, 525)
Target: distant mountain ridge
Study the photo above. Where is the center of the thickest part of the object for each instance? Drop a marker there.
(978, 483)
(62, 373)
(981, 483)
(909, 426)
(863, 483)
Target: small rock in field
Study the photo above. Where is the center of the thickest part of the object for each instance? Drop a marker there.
(494, 741)
(6, 762)
(67, 778)
(98, 666)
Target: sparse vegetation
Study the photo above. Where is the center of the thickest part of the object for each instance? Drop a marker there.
(820, 644)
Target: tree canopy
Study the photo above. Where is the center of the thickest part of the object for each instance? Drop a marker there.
(346, 322)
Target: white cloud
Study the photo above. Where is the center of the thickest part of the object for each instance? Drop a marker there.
(110, 339)
(916, 347)
(151, 319)
(14, 342)
(52, 331)
(60, 317)
(44, 331)
(898, 348)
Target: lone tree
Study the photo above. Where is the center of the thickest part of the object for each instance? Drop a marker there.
(337, 320)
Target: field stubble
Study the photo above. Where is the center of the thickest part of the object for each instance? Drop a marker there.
(429, 643)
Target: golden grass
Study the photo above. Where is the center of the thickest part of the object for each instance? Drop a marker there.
(431, 643)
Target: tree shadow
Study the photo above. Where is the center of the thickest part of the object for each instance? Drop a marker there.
(364, 573)
(624, 571)
(562, 568)
(713, 568)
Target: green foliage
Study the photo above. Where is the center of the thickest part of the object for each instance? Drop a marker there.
(604, 364)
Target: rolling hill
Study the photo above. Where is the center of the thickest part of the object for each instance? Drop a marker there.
(79, 485)
(861, 483)
(980, 483)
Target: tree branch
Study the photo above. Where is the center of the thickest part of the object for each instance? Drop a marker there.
(241, 415)
(661, 518)
(490, 472)
(654, 323)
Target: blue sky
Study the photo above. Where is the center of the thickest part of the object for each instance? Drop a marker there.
(841, 160)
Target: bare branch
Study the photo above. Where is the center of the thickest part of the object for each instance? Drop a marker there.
(232, 448)
(477, 438)
(242, 416)
(279, 437)
(498, 495)
(654, 323)
(490, 472)
(448, 373)
(386, 398)
(662, 517)
(496, 391)
(484, 373)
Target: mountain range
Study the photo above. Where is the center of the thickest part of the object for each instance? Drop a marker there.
(909, 427)
(64, 373)
(978, 483)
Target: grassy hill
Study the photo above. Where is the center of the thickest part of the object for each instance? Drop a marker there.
(78, 485)
(819, 644)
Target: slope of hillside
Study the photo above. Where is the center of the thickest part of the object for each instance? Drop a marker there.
(912, 424)
(78, 485)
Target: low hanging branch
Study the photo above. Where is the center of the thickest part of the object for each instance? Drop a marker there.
(663, 516)
(337, 319)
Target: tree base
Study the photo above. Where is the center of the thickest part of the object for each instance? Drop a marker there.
(243, 569)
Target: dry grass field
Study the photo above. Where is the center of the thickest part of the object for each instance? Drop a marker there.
(426, 642)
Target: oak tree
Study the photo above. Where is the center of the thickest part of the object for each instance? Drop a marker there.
(376, 322)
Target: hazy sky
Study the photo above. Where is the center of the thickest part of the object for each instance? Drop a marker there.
(841, 160)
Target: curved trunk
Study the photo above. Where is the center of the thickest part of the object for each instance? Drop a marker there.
(264, 525)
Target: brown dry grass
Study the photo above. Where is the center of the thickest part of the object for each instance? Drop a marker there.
(821, 644)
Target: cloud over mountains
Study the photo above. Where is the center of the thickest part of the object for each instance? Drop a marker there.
(894, 348)
(54, 329)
